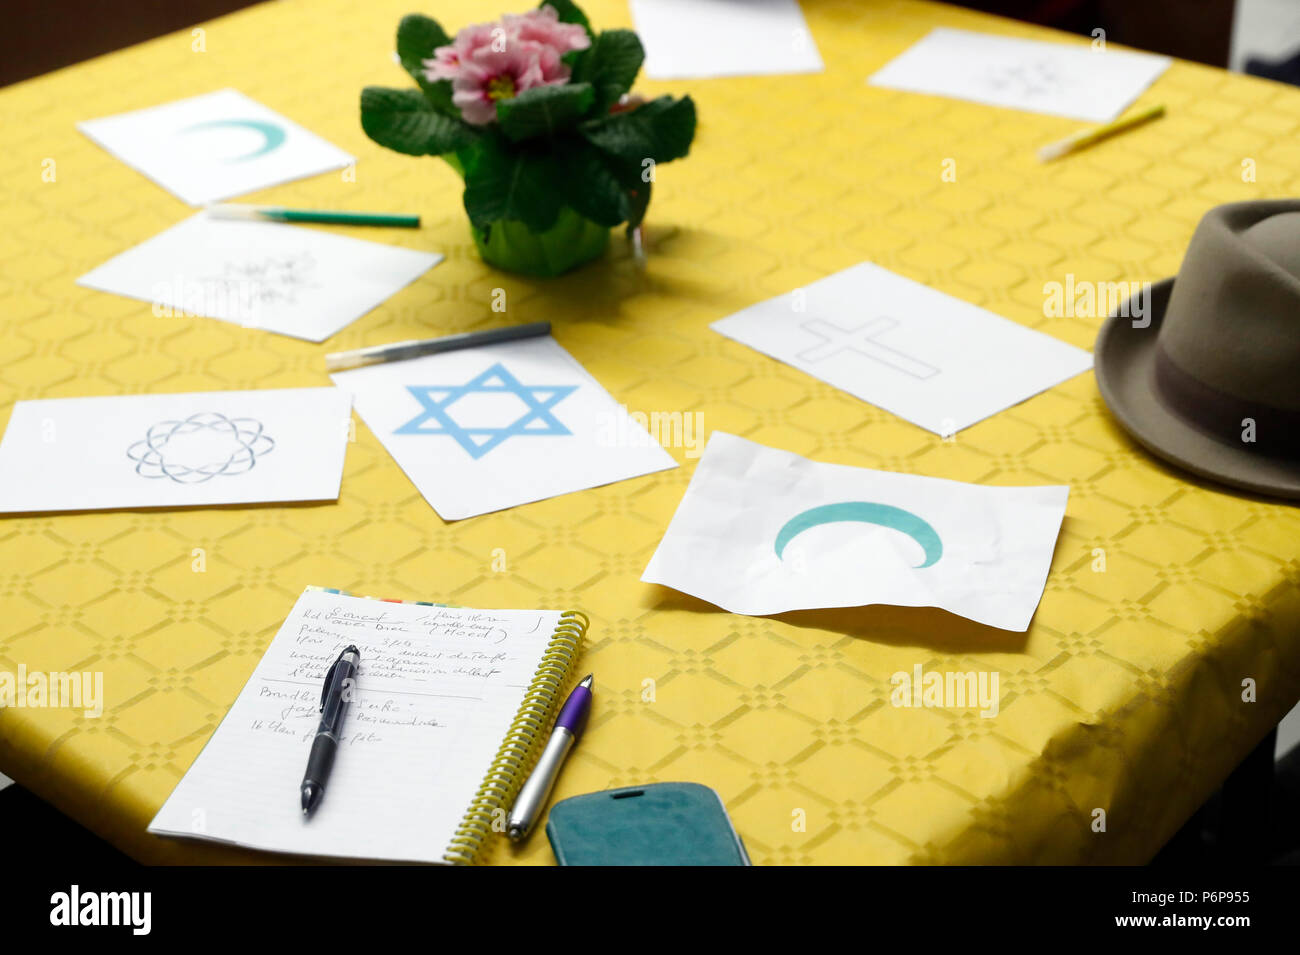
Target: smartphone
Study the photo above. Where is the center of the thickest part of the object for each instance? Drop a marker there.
(657, 824)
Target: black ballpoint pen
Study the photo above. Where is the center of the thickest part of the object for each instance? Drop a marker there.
(334, 699)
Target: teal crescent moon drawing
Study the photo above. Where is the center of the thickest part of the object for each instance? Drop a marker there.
(271, 133)
(865, 512)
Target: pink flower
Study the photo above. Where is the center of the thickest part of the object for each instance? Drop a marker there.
(447, 59)
(543, 26)
(487, 77)
(489, 62)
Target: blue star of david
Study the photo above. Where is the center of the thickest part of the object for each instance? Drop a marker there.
(537, 420)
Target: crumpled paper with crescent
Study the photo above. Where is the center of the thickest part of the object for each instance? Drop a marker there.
(762, 531)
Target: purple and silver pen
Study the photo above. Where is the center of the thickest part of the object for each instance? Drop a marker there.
(568, 727)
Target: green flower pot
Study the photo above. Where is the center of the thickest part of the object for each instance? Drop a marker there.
(571, 242)
(508, 244)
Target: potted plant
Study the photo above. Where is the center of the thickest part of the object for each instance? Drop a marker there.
(533, 111)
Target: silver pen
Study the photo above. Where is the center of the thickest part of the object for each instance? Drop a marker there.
(568, 728)
(400, 351)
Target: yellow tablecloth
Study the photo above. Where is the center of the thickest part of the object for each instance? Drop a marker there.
(1125, 695)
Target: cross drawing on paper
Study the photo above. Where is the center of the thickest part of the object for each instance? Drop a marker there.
(863, 341)
(478, 440)
(201, 447)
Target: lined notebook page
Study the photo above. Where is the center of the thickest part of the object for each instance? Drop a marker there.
(437, 691)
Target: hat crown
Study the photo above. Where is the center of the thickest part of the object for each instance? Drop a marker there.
(1233, 320)
(1278, 239)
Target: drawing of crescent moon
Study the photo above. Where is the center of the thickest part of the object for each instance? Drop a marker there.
(884, 515)
(273, 136)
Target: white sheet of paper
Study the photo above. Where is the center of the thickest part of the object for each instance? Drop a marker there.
(762, 531)
(176, 450)
(1079, 82)
(935, 360)
(690, 39)
(482, 429)
(214, 146)
(437, 690)
(280, 278)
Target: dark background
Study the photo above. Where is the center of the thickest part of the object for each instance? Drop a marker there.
(37, 36)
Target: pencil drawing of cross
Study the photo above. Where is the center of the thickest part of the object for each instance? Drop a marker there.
(863, 340)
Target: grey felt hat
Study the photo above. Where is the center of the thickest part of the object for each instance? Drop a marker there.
(1208, 377)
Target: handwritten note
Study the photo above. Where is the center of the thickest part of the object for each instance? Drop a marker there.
(436, 693)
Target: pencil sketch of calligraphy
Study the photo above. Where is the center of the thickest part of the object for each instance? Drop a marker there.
(273, 280)
(1031, 78)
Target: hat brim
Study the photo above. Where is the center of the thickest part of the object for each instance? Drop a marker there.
(1124, 363)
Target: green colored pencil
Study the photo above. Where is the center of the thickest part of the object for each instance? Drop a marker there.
(280, 214)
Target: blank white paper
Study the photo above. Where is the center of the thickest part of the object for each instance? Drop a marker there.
(436, 692)
(1079, 82)
(214, 146)
(763, 531)
(175, 450)
(932, 359)
(279, 278)
(695, 39)
(482, 429)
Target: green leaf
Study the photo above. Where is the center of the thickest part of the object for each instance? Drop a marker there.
(403, 120)
(417, 37)
(661, 129)
(589, 182)
(503, 182)
(569, 12)
(543, 110)
(439, 96)
(610, 66)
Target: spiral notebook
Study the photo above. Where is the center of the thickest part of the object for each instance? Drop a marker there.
(449, 706)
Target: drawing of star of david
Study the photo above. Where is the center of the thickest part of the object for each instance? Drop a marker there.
(478, 439)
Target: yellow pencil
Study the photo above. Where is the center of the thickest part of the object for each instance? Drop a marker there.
(1087, 137)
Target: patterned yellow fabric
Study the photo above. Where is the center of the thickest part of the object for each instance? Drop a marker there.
(1125, 695)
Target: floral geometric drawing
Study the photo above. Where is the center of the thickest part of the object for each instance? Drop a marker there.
(535, 417)
(200, 448)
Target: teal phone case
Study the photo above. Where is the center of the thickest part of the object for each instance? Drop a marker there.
(657, 824)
